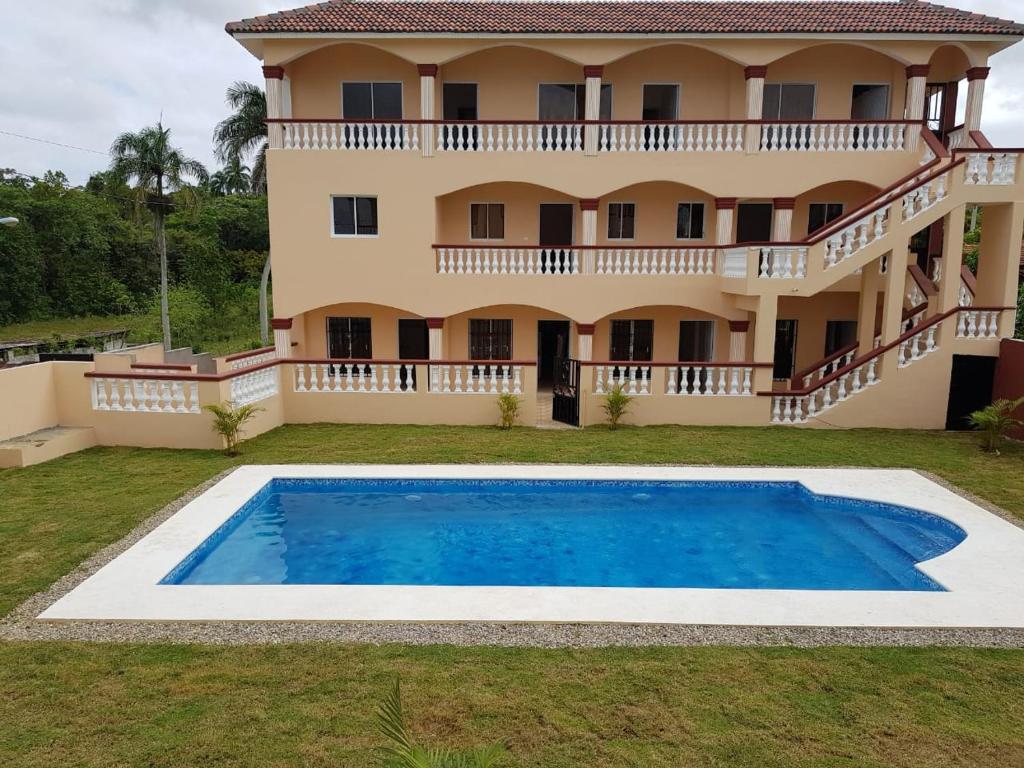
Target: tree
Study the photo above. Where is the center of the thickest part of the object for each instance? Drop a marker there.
(242, 133)
(233, 179)
(148, 160)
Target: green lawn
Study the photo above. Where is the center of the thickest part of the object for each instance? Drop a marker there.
(125, 705)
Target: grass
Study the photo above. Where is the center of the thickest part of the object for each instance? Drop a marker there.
(312, 705)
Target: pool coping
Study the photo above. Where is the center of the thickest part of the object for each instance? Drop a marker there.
(983, 572)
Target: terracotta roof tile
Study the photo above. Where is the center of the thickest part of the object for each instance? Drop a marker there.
(629, 17)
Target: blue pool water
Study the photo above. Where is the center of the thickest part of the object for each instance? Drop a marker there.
(761, 535)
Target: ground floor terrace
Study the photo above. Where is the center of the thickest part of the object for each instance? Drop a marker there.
(178, 695)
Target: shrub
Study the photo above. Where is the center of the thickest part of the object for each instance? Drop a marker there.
(228, 422)
(509, 407)
(616, 405)
(995, 421)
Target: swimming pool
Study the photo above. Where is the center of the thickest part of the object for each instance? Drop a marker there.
(662, 545)
(567, 533)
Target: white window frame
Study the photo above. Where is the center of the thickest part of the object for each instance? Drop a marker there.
(608, 221)
(888, 101)
(373, 108)
(814, 102)
(703, 222)
(824, 202)
(354, 213)
(503, 218)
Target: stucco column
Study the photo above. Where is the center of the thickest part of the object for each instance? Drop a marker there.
(282, 337)
(917, 87)
(782, 227)
(435, 334)
(588, 214)
(585, 341)
(428, 78)
(998, 260)
(867, 308)
(764, 340)
(755, 76)
(976, 77)
(895, 294)
(725, 210)
(275, 105)
(738, 340)
(592, 75)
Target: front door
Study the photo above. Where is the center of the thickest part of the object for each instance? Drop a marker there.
(459, 103)
(413, 344)
(552, 344)
(970, 388)
(565, 404)
(785, 349)
(556, 234)
(754, 222)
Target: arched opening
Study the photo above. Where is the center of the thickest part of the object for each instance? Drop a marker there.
(662, 333)
(656, 213)
(507, 214)
(360, 331)
(946, 94)
(835, 82)
(818, 207)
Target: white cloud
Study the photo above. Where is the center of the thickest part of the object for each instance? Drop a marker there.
(81, 71)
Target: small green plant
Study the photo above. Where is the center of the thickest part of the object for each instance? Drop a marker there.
(508, 404)
(995, 421)
(616, 405)
(403, 753)
(228, 421)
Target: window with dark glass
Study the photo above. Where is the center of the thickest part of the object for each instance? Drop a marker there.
(631, 340)
(371, 101)
(839, 334)
(487, 221)
(788, 101)
(785, 349)
(661, 101)
(567, 101)
(349, 338)
(820, 214)
(690, 221)
(869, 102)
(621, 221)
(490, 339)
(697, 341)
(355, 216)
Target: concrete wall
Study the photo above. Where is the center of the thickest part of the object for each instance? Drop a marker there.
(29, 401)
(1009, 383)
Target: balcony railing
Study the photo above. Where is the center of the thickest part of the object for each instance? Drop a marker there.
(681, 378)
(575, 259)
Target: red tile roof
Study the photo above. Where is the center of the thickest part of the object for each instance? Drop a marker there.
(632, 17)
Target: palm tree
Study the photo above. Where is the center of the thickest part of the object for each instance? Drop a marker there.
(157, 169)
(242, 133)
(218, 183)
(237, 178)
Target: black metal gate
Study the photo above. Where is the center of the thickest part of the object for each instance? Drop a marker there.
(566, 404)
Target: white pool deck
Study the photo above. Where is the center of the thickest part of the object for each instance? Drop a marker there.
(985, 573)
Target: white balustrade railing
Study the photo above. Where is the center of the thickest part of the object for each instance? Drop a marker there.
(671, 137)
(654, 261)
(792, 408)
(351, 135)
(483, 260)
(966, 295)
(510, 137)
(476, 378)
(991, 169)
(978, 324)
(833, 137)
(709, 379)
(918, 346)
(850, 240)
(957, 138)
(144, 395)
(378, 377)
(914, 294)
(254, 386)
(782, 261)
(734, 261)
(634, 379)
(250, 360)
(924, 196)
(829, 367)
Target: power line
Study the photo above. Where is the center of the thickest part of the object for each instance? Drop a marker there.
(54, 143)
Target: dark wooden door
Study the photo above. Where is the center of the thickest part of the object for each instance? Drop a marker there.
(970, 388)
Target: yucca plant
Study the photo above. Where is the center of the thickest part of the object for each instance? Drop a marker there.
(403, 753)
(995, 421)
(508, 404)
(616, 405)
(228, 421)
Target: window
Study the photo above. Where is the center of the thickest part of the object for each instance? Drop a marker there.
(354, 216)
(839, 334)
(349, 338)
(661, 101)
(870, 102)
(490, 339)
(621, 221)
(631, 340)
(371, 101)
(487, 221)
(567, 101)
(459, 101)
(690, 221)
(820, 214)
(785, 349)
(754, 222)
(788, 101)
(696, 341)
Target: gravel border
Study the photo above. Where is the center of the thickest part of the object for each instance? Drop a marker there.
(21, 624)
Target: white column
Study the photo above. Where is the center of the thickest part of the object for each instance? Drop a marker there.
(584, 341)
(725, 209)
(738, 340)
(782, 227)
(435, 332)
(755, 104)
(275, 105)
(282, 337)
(592, 107)
(976, 77)
(917, 86)
(588, 214)
(428, 78)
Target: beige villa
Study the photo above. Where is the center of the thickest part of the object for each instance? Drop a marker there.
(741, 213)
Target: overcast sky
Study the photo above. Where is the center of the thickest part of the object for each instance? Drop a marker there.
(79, 72)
